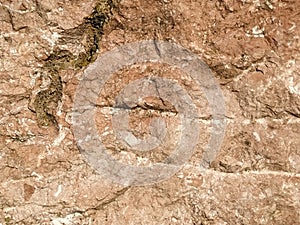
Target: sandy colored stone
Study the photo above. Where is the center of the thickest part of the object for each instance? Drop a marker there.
(252, 47)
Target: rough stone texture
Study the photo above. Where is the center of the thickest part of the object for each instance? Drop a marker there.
(252, 46)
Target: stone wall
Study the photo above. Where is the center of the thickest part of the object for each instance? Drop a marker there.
(252, 48)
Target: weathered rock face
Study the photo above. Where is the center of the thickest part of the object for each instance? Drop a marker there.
(252, 48)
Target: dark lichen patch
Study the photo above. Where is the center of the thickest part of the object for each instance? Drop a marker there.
(58, 60)
(46, 101)
(87, 34)
(91, 38)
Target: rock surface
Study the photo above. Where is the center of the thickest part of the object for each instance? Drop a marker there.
(252, 48)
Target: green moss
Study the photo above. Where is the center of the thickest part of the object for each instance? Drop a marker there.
(46, 101)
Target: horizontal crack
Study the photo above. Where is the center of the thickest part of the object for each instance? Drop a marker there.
(137, 107)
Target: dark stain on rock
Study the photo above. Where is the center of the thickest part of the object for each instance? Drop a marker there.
(28, 191)
(89, 34)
